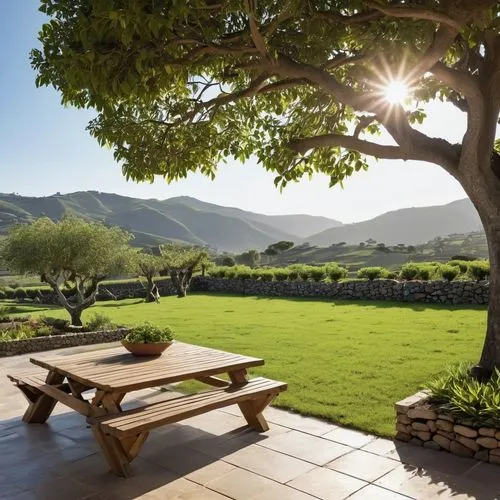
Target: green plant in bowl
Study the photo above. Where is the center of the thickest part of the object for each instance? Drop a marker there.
(147, 339)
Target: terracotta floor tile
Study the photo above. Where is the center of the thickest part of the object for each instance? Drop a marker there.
(363, 465)
(298, 422)
(268, 463)
(306, 447)
(327, 484)
(282, 492)
(240, 484)
(349, 437)
(372, 492)
(209, 472)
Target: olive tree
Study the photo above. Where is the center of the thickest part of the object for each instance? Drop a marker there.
(148, 265)
(180, 262)
(301, 85)
(71, 253)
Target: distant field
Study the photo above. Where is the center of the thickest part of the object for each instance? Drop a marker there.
(344, 361)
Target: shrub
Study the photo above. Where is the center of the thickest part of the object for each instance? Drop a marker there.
(9, 292)
(318, 273)
(217, 272)
(467, 258)
(57, 323)
(100, 321)
(392, 275)
(478, 269)
(293, 274)
(20, 294)
(230, 272)
(265, 274)
(281, 274)
(2, 295)
(423, 271)
(228, 261)
(34, 293)
(449, 273)
(372, 273)
(147, 333)
(459, 393)
(336, 273)
(305, 273)
(461, 264)
(243, 272)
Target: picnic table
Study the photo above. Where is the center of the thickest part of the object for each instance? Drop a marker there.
(108, 375)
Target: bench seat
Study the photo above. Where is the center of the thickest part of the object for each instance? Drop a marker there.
(146, 418)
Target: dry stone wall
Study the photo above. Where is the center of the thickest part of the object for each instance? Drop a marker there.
(435, 292)
(420, 424)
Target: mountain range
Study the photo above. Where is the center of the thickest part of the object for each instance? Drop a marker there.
(190, 220)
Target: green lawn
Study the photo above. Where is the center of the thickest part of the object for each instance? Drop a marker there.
(344, 361)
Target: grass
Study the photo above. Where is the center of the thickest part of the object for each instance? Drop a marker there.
(344, 361)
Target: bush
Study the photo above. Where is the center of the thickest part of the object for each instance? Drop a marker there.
(34, 293)
(423, 271)
(372, 273)
(336, 273)
(9, 292)
(478, 269)
(57, 323)
(20, 294)
(461, 264)
(147, 333)
(231, 272)
(100, 321)
(281, 274)
(392, 275)
(305, 273)
(265, 274)
(466, 258)
(243, 273)
(2, 295)
(293, 274)
(228, 261)
(318, 273)
(459, 393)
(217, 272)
(449, 273)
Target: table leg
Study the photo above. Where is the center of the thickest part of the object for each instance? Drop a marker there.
(41, 405)
(252, 410)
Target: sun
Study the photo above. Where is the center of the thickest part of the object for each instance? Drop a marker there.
(396, 92)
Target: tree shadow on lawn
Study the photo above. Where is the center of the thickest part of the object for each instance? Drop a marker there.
(381, 304)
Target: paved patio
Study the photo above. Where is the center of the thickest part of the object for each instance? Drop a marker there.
(215, 457)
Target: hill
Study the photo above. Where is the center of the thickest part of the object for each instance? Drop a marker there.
(158, 221)
(410, 226)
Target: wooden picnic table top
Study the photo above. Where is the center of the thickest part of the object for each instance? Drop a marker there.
(115, 370)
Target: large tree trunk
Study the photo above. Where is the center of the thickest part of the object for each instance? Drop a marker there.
(490, 356)
(483, 187)
(76, 316)
(149, 289)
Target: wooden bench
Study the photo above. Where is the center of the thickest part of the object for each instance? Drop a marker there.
(121, 436)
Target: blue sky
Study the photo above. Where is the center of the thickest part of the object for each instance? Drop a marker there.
(44, 148)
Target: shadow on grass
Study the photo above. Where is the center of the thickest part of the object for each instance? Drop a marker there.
(381, 304)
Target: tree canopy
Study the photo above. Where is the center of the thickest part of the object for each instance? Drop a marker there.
(181, 86)
(72, 253)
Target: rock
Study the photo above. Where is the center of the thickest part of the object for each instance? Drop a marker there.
(459, 449)
(487, 442)
(432, 426)
(432, 445)
(495, 452)
(403, 419)
(419, 426)
(494, 459)
(497, 435)
(482, 455)
(415, 441)
(442, 441)
(486, 431)
(404, 405)
(448, 435)
(401, 427)
(468, 442)
(424, 435)
(465, 431)
(444, 425)
(423, 413)
(403, 436)
(443, 416)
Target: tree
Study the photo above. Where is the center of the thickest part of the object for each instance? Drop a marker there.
(228, 261)
(70, 253)
(280, 246)
(148, 265)
(181, 262)
(249, 258)
(178, 87)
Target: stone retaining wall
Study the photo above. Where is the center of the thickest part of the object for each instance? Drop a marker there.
(15, 347)
(435, 292)
(440, 292)
(420, 424)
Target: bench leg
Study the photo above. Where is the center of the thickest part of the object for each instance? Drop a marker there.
(252, 410)
(40, 406)
(114, 452)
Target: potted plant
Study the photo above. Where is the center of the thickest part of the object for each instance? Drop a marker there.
(148, 339)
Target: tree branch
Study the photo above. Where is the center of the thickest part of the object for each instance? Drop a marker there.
(414, 13)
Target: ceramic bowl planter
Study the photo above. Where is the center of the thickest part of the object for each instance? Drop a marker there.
(148, 340)
(155, 349)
